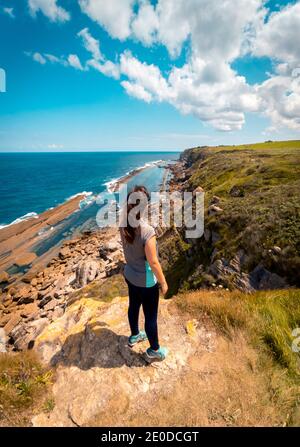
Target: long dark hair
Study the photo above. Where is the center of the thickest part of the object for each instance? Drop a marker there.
(130, 231)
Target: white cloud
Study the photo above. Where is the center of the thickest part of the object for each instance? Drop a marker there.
(98, 61)
(115, 16)
(42, 58)
(107, 68)
(10, 12)
(38, 57)
(146, 23)
(91, 44)
(137, 91)
(214, 34)
(74, 61)
(281, 100)
(55, 146)
(205, 85)
(53, 59)
(279, 37)
(50, 9)
(220, 98)
(147, 76)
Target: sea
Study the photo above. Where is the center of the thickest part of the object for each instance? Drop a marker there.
(34, 182)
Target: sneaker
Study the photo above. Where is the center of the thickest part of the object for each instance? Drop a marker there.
(134, 339)
(160, 354)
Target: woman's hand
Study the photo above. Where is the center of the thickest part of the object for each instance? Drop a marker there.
(164, 288)
(151, 255)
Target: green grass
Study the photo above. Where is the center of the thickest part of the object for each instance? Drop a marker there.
(267, 320)
(103, 291)
(263, 215)
(268, 317)
(23, 384)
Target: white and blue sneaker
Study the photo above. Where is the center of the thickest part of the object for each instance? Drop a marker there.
(134, 339)
(160, 354)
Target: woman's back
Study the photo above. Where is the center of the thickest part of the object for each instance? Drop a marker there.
(137, 269)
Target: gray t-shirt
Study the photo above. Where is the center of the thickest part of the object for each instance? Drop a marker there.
(137, 269)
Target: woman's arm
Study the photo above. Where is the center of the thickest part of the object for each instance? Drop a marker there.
(151, 255)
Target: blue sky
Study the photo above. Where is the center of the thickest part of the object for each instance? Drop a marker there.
(141, 75)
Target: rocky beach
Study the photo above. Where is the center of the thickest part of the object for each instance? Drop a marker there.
(35, 289)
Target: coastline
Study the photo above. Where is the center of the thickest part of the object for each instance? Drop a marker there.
(19, 239)
(114, 186)
(36, 285)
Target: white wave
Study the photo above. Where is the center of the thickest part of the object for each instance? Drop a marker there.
(88, 200)
(27, 216)
(150, 164)
(83, 193)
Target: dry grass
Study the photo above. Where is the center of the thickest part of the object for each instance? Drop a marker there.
(265, 320)
(24, 388)
(268, 317)
(223, 388)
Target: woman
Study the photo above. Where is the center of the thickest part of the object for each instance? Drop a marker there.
(142, 273)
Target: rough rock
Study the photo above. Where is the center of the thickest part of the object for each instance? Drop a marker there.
(236, 191)
(4, 319)
(29, 309)
(224, 271)
(62, 286)
(4, 277)
(215, 200)
(28, 298)
(238, 261)
(45, 300)
(95, 366)
(214, 209)
(25, 259)
(24, 335)
(86, 272)
(28, 277)
(2, 341)
(22, 292)
(12, 323)
(277, 250)
(262, 279)
(109, 247)
(51, 305)
(34, 282)
(65, 252)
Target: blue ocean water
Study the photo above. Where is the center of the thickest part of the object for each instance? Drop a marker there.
(34, 182)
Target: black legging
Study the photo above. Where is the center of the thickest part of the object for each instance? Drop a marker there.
(148, 297)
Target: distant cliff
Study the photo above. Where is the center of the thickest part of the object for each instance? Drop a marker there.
(252, 224)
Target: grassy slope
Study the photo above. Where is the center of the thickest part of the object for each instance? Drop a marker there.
(265, 213)
(24, 388)
(267, 320)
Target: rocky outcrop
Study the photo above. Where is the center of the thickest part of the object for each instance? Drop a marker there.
(87, 271)
(88, 347)
(41, 296)
(4, 277)
(211, 261)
